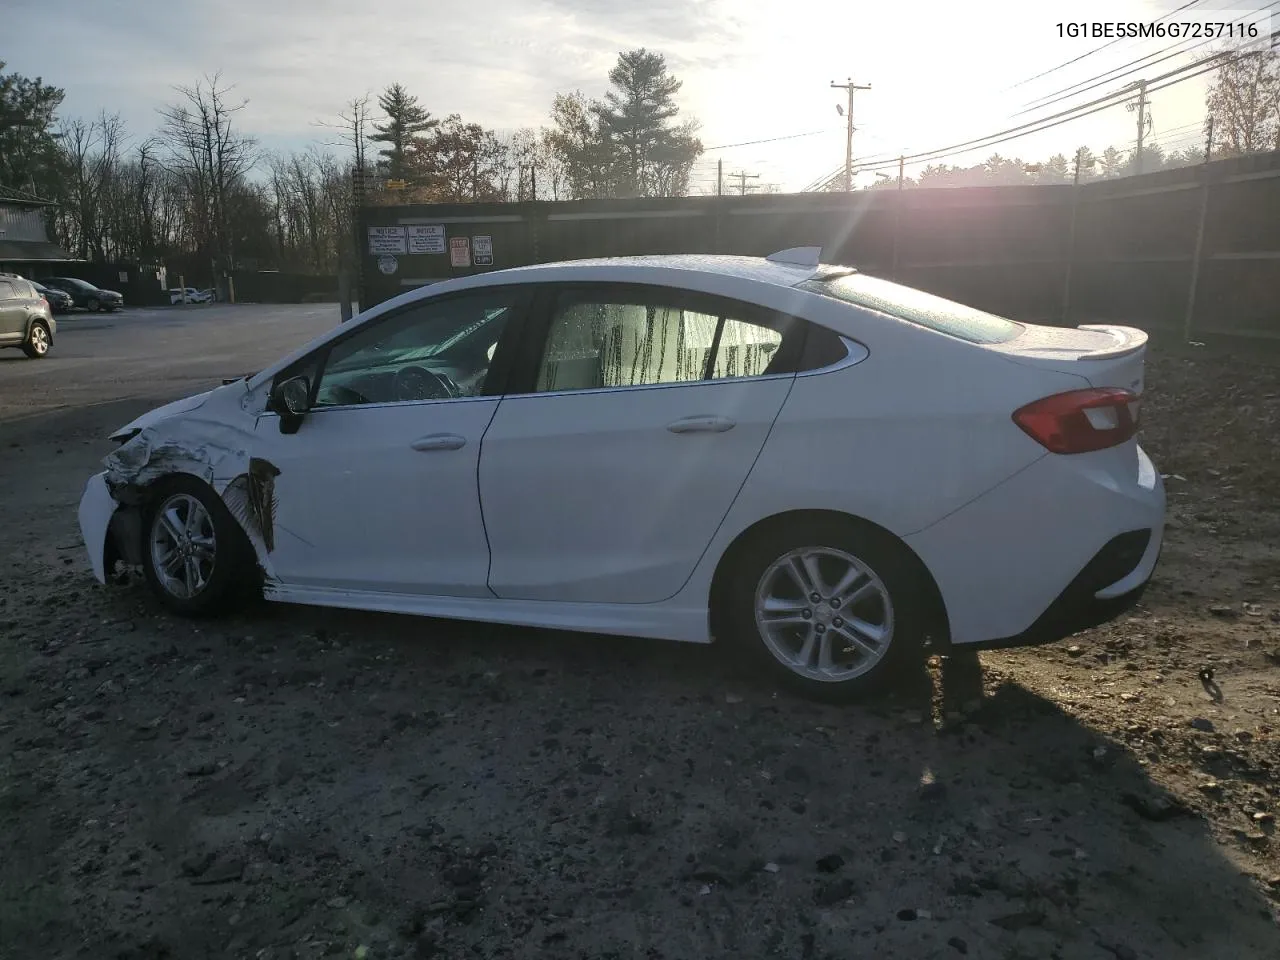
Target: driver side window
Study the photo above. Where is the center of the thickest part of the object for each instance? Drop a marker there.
(436, 350)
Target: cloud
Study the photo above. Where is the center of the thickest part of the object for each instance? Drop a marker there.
(498, 62)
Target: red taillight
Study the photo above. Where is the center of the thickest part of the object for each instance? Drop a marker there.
(1081, 420)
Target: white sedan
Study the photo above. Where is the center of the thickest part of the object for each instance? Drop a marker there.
(827, 470)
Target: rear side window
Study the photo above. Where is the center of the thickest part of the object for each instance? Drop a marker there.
(918, 307)
(606, 337)
(6, 290)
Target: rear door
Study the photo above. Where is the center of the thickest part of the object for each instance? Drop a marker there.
(604, 476)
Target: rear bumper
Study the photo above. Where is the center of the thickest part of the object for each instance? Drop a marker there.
(1110, 584)
(1064, 544)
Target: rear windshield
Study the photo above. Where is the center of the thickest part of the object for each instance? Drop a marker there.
(916, 306)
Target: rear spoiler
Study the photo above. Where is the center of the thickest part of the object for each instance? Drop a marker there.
(1127, 340)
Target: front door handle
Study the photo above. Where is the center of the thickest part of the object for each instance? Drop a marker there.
(439, 441)
(701, 425)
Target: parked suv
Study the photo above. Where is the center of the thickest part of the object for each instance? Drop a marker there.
(25, 318)
(85, 294)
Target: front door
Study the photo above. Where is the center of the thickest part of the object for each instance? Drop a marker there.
(376, 491)
(605, 481)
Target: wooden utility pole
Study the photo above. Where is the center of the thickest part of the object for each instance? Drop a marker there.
(849, 88)
(1189, 316)
(720, 178)
(1144, 121)
(1071, 234)
(742, 178)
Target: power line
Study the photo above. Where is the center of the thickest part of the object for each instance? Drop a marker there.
(943, 153)
(1206, 65)
(1098, 49)
(752, 143)
(1116, 73)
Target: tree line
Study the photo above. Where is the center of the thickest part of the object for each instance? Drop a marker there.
(200, 195)
(198, 192)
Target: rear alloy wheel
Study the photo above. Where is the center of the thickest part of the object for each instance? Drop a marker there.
(831, 611)
(39, 340)
(194, 551)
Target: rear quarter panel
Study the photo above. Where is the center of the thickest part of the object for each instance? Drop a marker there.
(913, 432)
(917, 429)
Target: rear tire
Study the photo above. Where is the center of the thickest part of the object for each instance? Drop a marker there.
(39, 341)
(838, 637)
(195, 556)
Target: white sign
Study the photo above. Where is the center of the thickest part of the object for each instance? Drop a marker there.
(459, 252)
(386, 240)
(388, 264)
(124, 276)
(482, 250)
(426, 238)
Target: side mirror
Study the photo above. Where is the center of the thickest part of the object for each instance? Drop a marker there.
(291, 400)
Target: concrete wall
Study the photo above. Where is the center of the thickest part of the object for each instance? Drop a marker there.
(1006, 249)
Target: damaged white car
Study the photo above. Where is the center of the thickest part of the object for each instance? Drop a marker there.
(827, 469)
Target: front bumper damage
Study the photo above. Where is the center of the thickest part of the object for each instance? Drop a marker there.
(210, 442)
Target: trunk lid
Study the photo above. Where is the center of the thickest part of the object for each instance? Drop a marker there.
(1103, 354)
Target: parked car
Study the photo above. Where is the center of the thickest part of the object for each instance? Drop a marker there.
(85, 294)
(827, 470)
(188, 295)
(25, 318)
(59, 302)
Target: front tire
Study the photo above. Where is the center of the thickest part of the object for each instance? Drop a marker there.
(39, 340)
(194, 554)
(833, 610)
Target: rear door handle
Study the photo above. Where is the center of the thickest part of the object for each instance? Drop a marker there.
(701, 425)
(439, 441)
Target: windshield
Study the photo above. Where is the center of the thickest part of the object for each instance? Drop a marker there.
(405, 345)
(918, 307)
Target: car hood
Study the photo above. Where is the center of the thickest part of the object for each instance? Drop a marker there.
(168, 411)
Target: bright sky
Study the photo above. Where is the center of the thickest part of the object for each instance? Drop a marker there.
(941, 72)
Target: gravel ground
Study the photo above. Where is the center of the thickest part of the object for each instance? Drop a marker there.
(301, 783)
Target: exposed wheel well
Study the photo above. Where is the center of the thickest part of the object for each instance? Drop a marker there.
(939, 629)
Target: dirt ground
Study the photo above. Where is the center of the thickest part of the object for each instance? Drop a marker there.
(299, 783)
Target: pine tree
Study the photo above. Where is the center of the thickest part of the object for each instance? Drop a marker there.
(406, 121)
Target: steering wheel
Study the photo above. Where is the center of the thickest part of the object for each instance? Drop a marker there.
(419, 383)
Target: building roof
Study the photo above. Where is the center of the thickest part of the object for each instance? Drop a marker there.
(22, 197)
(32, 251)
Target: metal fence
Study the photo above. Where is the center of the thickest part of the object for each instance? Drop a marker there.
(1196, 249)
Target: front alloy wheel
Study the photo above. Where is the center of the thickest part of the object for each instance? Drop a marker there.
(196, 557)
(184, 546)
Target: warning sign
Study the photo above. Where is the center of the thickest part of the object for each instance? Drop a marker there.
(459, 252)
(426, 238)
(386, 240)
(482, 250)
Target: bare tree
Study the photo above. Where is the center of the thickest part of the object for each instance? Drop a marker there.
(211, 157)
(91, 155)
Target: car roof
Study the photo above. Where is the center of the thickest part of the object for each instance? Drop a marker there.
(759, 269)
